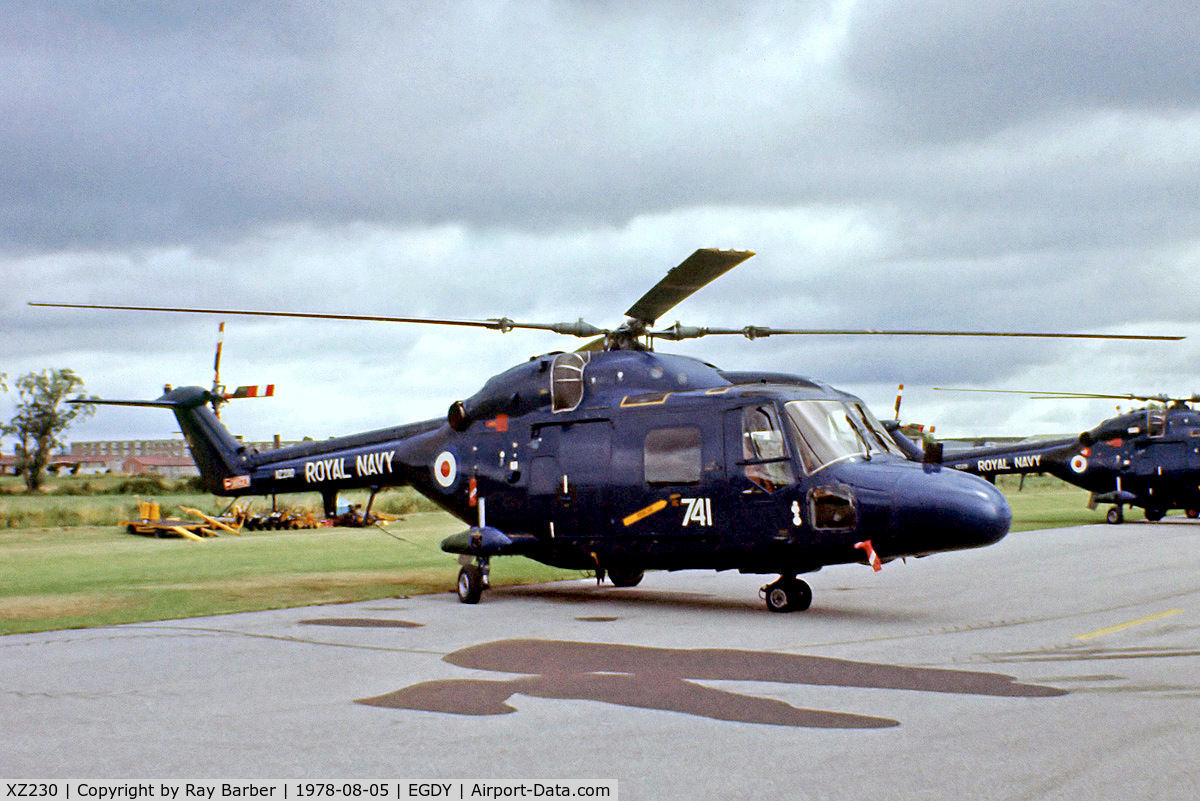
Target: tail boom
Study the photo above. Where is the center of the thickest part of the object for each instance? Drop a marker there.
(375, 459)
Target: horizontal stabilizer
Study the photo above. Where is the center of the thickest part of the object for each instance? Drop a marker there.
(184, 397)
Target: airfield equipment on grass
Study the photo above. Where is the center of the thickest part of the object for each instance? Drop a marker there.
(150, 522)
(1148, 457)
(618, 459)
(280, 520)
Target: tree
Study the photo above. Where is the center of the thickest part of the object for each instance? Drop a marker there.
(42, 416)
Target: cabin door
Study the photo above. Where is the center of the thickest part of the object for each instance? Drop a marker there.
(570, 477)
(761, 474)
(1155, 466)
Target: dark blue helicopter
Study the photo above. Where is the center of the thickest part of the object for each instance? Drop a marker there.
(1149, 457)
(618, 459)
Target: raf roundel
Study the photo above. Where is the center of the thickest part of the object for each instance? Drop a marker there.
(1079, 463)
(445, 470)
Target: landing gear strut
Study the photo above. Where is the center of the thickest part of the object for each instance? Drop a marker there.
(788, 594)
(472, 581)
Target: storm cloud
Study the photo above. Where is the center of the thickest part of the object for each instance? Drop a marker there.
(895, 164)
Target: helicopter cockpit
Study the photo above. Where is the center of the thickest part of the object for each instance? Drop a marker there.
(827, 431)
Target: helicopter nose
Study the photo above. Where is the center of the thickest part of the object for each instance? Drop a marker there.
(945, 510)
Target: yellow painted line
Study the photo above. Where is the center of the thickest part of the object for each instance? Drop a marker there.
(642, 514)
(1122, 626)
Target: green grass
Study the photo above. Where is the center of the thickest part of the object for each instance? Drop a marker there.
(98, 501)
(54, 578)
(1046, 502)
(62, 574)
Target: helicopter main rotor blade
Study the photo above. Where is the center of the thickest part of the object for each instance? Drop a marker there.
(595, 346)
(502, 324)
(696, 271)
(1043, 395)
(678, 332)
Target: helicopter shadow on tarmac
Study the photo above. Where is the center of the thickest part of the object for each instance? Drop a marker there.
(668, 679)
(631, 599)
(1166, 521)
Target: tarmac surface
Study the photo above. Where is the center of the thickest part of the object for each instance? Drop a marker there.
(1055, 664)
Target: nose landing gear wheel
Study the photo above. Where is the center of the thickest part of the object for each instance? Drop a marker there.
(787, 595)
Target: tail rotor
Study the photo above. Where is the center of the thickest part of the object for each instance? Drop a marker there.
(219, 395)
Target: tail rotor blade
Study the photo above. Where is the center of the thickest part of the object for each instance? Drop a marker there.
(255, 391)
(217, 357)
(218, 391)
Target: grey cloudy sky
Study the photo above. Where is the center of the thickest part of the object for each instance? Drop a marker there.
(931, 163)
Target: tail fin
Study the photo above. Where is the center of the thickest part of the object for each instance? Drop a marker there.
(217, 453)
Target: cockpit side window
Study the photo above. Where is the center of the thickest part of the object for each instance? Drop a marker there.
(566, 381)
(764, 452)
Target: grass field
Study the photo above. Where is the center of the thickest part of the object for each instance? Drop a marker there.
(70, 574)
(1046, 502)
(52, 578)
(106, 500)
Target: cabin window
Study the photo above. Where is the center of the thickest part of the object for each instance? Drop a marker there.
(566, 381)
(672, 456)
(764, 453)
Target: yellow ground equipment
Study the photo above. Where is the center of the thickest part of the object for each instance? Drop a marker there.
(279, 520)
(150, 522)
(356, 517)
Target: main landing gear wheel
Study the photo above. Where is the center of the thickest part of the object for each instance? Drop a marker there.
(625, 577)
(472, 581)
(1154, 515)
(787, 595)
(1115, 515)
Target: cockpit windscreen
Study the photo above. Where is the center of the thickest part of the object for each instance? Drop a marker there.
(827, 431)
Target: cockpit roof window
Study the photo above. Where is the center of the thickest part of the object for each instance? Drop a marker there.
(566, 380)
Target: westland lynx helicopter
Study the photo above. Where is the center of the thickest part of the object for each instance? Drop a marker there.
(618, 459)
(1149, 457)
